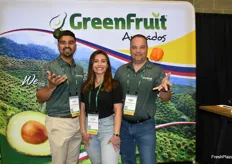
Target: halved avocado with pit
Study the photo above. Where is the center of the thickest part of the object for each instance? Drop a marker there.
(26, 133)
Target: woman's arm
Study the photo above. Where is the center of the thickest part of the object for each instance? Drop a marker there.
(115, 139)
(117, 101)
(117, 117)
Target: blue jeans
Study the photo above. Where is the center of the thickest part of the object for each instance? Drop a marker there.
(142, 134)
(99, 151)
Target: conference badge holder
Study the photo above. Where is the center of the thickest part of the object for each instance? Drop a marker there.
(130, 104)
(74, 106)
(92, 124)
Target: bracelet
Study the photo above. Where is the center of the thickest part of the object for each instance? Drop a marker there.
(116, 134)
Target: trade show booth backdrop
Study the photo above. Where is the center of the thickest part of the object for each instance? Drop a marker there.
(27, 42)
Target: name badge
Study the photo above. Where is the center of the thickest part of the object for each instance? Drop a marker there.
(130, 104)
(92, 124)
(74, 106)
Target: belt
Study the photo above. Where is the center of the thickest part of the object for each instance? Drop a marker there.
(69, 116)
(136, 121)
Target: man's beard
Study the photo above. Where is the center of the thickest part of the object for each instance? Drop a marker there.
(68, 53)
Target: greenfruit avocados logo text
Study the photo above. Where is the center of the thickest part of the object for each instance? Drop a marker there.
(157, 22)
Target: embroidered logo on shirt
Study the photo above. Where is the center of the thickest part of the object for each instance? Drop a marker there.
(147, 78)
(79, 76)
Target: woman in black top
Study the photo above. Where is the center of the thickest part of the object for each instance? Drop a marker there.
(101, 111)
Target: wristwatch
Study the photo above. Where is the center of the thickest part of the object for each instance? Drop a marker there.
(116, 134)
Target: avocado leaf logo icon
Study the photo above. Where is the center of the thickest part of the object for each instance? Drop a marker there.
(57, 22)
(155, 15)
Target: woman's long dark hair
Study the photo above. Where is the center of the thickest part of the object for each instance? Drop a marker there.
(90, 82)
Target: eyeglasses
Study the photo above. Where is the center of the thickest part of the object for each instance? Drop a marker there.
(69, 43)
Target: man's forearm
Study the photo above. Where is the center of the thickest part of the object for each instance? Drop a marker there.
(44, 94)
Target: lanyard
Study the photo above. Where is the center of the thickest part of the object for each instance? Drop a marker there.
(96, 98)
(76, 81)
(128, 81)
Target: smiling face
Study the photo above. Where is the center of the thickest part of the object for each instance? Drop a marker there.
(138, 50)
(100, 64)
(67, 46)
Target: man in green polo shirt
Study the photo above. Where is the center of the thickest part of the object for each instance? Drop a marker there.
(138, 78)
(60, 88)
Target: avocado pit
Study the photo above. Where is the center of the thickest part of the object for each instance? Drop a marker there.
(34, 132)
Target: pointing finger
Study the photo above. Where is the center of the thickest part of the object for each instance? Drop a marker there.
(156, 88)
(49, 74)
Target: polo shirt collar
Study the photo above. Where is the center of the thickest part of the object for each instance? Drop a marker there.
(63, 63)
(147, 65)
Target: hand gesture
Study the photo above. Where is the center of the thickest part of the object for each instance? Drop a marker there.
(86, 138)
(115, 141)
(164, 84)
(54, 81)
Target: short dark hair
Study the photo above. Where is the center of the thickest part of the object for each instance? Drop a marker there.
(138, 36)
(67, 33)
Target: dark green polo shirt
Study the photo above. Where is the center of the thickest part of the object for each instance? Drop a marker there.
(151, 75)
(58, 104)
